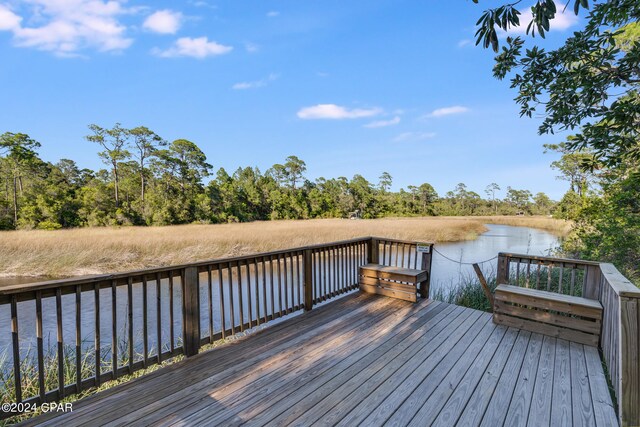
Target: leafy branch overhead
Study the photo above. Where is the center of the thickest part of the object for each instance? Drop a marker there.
(588, 86)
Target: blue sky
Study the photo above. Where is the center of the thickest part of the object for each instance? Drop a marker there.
(349, 87)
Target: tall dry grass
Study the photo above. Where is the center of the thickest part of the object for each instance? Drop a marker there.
(104, 250)
(558, 227)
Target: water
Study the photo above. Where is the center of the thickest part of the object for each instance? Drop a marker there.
(499, 238)
(445, 273)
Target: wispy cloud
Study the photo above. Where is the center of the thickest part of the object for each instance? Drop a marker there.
(465, 42)
(255, 84)
(383, 123)
(251, 47)
(201, 3)
(163, 22)
(448, 111)
(199, 47)
(67, 27)
(336, 112)
(273, 13)
(563, 20)
(414, 136)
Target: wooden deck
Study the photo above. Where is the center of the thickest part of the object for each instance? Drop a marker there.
(368, 360)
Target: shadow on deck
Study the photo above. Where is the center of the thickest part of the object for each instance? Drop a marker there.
(372, 360)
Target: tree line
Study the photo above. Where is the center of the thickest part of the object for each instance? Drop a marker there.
(149, 181)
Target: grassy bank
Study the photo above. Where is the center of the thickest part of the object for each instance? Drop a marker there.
(104, 250)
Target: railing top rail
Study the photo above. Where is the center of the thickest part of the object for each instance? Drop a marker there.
(49, 284)
(406, 242)
(620, 284)
(550, 259)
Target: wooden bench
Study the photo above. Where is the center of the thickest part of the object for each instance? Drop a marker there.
(561, 316)
(396, 282)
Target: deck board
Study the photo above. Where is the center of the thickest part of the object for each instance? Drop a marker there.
(369, 360)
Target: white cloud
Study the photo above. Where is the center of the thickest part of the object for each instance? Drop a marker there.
(273, 14)
(8, 20)
(199, 47)
(383, 123)
(414, 136)
(255, 84)
(464, 42)
(448, 111)
(564, 19)
(163, 22)
(67, 27)
(335, 112)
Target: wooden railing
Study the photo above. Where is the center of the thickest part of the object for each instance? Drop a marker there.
(620, 335)
(140, 318)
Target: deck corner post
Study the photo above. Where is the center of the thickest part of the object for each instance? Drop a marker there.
(307, 262)
(503, 269)
(425, 264)
(373, 249)
(191, 306)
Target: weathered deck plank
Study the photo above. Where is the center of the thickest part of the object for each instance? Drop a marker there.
(369, 360)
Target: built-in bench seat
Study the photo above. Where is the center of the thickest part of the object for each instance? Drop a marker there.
(396, 282)
(562, 316)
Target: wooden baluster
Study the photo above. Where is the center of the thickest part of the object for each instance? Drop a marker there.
(538, 276)
(249, 304)
(257, 275)
(264, 289)
(145, 333)
(232, 308)
(560, 279)
(240, 298)
(549, 269)
(130, 319)
(573, 279)
(298, 280)
(78, 339)
(286, 284)
(159, 317)
(96, 301)
(273, 303)
(307, 265)
(402, 257)
(61, 343)
(279, 273)
(114, 330)
(16, 348)
(210, 300)
(223, 324)
(171, 338)
(528, 273)
(41, 386)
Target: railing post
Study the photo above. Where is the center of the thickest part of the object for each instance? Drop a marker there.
(592, 284)
(630, 365)
(373, 249)
(191, 307)
(503, 270)
(307, 262)
(425, 264)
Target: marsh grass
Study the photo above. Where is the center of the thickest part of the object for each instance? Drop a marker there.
(467, 292)
(82, 251)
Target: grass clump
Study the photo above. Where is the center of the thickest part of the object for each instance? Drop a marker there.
(467, 292)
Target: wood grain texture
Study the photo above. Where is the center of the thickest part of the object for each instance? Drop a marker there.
(369, 360)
